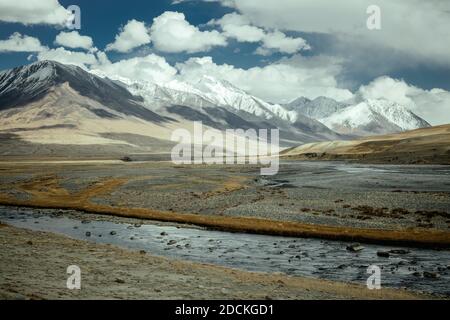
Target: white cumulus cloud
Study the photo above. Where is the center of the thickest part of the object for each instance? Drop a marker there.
(278, 41)
(149, 68)
(279, 82)
(134, 34)
(171, 32)
(74, 40)
(21, 43)
(239, 27)
(33, 12)
(81, 59)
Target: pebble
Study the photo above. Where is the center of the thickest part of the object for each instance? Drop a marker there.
(431, 275)
(355, 247)
(88, 234)
(399, 251)
(383, 254)
(113, 233)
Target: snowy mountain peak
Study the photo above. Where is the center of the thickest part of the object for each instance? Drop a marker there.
(318, 108)
(396, 113)
(374, 117)
(24, 83)
(207, 91)
(299, 101)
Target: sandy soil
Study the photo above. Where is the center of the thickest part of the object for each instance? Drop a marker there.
(33, 266)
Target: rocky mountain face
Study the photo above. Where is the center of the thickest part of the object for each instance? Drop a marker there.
(23, 85)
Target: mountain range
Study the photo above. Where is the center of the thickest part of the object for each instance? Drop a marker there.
(45, 107)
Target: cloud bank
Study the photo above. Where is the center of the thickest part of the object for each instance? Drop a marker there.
(33, 12)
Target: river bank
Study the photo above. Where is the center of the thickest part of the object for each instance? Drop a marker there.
(415, 269)
(33, 266)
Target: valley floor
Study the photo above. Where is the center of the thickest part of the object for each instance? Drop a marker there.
(405, 205)
(33, 266)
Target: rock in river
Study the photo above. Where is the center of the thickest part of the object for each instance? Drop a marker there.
(355, 247)
(399, 251)
(431, 275)
(383, 254)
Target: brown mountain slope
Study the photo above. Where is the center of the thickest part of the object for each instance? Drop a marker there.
(427, 145)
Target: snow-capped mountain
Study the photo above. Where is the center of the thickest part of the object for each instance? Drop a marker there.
(49, 103)
(318, 108)
(373, 117)
(206, 92)
(224, 106)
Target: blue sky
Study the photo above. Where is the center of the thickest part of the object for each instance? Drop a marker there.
(303, 47)
(101, 20)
